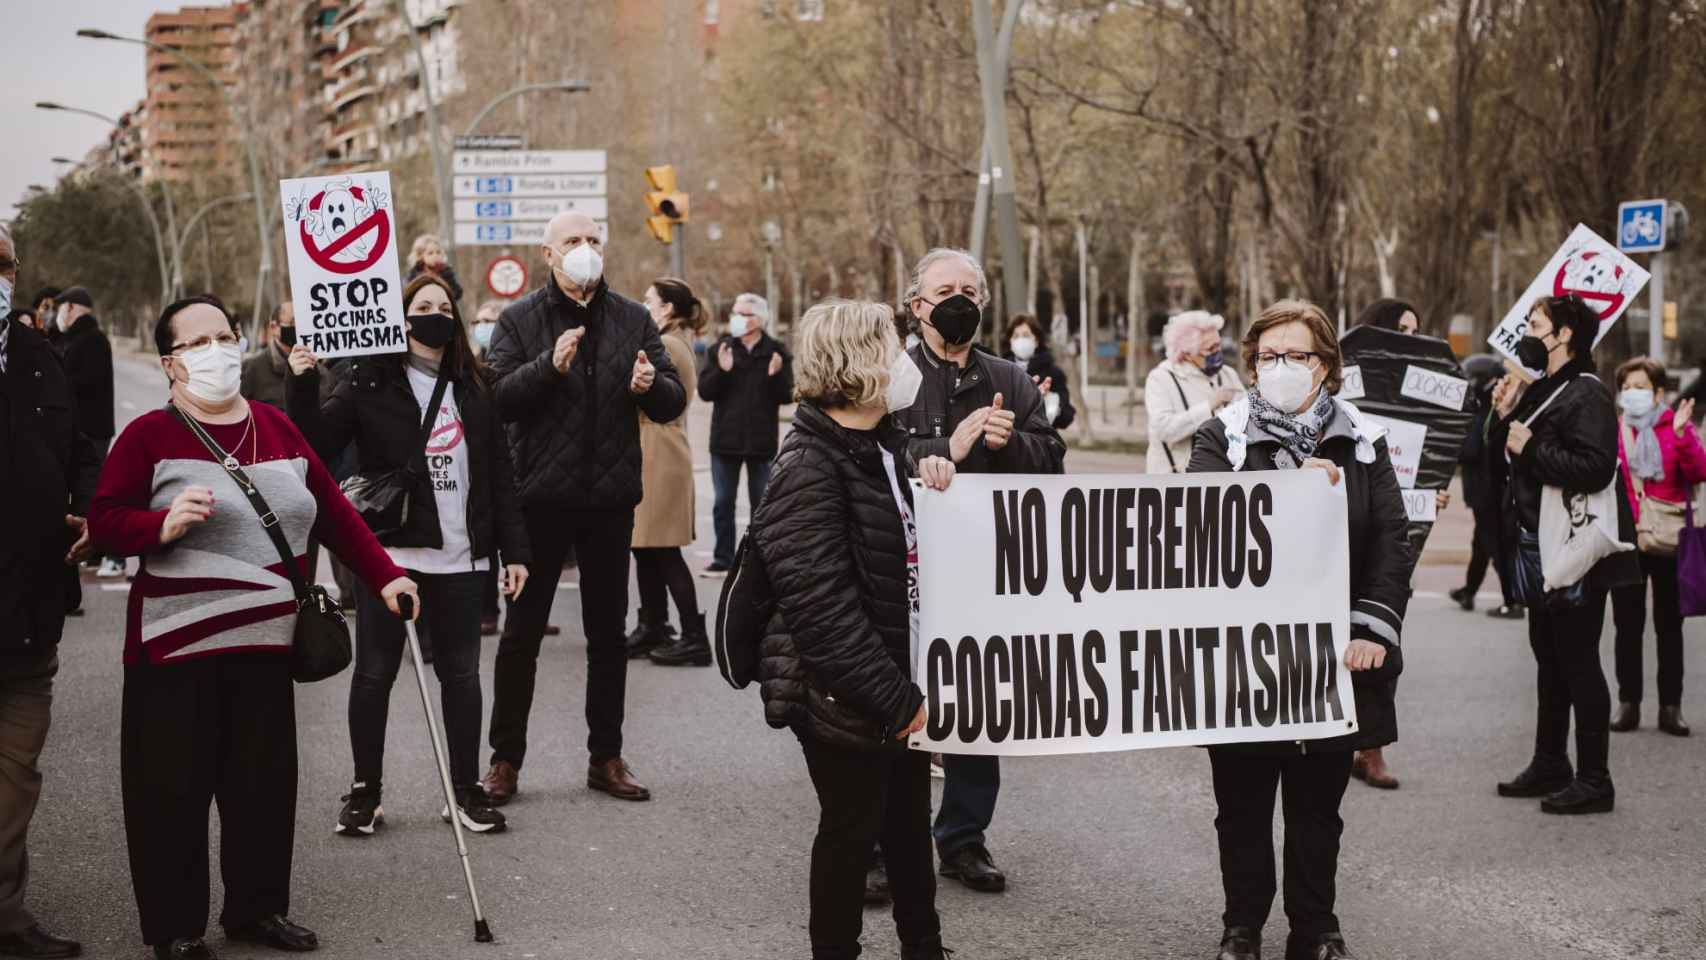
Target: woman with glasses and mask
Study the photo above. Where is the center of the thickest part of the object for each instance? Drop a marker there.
(462, 519)
(209, 703)
(1561, 431)
(1290, 420)
(1186, 389)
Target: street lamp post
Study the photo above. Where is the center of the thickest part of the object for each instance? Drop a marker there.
(264, 273)
(160, 247)
(189, 228)
(566, 86)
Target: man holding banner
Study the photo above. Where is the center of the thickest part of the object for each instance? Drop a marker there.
(984, 414)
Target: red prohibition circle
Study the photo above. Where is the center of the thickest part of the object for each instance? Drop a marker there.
(1606, 304)
(516, 266)
(322, 256)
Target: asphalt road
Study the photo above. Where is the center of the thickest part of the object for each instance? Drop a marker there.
(1108, 856)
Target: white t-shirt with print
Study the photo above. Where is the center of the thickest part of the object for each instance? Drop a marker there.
(447, 471)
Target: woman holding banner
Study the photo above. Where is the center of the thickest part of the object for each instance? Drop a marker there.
(1291, 420)
(836, 534)
(1561, 432)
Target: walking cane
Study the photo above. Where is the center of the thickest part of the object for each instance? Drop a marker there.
(482, 930)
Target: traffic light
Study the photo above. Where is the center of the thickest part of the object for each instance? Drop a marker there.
(668, 205)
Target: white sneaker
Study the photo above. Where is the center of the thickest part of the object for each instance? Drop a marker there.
(110, 569)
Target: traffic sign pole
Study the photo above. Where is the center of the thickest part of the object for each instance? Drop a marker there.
(1656, 309)
(677, 256)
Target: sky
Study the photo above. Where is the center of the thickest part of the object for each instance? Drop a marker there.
(46, 60)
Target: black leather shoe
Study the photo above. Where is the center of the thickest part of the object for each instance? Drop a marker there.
(1581, 797)
(1327, 946)
(934, 951)
(1671, 722)
(1627, 717)
(276, 931)
(1463, 598)
(1537, 780)
(1508, 611)
(185, 948)
(36, 942)
(973, 866)
(1240, 943)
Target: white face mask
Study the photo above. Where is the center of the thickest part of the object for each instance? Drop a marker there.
(911, 340)
(1286, 387)
(5, 295)
(904, 381)
(62, 319)
(583, 266)
(214, 373)
(1024, 347)
(739, 325)
(1636, 402)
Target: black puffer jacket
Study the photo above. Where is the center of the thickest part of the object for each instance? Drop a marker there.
(745, 400)
(836, 657)
(1380, 568)
(575, 437)
(374, 406)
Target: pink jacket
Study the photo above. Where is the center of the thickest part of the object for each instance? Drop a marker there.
(1684, 459)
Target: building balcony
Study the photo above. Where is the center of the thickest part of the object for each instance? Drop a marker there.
(352, 56)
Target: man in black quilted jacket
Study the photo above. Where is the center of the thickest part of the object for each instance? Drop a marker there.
(984, 414)
(575, 363)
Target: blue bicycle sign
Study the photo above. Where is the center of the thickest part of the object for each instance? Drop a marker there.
(1641, 226)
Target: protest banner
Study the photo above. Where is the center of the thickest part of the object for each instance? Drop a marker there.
(1089, 614)
(1586, 265)
(340, 236)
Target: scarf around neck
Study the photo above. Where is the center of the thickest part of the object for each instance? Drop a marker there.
(1298, 433)
(1646, 458)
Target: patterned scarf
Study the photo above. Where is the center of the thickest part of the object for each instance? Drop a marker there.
(1646, 457)
(1298, 433)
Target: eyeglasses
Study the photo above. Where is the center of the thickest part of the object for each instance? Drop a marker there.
(226, 339)
(1266, 362)
(8, 265)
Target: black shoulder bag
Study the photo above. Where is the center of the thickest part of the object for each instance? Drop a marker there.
(383, 499)
(320, 645)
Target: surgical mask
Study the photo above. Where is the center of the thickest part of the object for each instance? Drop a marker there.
(213, 373)
(582, 266)
(1212, 362)
(904, 381)
(287, 337)
(1287, 387)
(739, 325)
(1636, 402)
(911, 340)
(1024, 348)
(432, 330)
(956, 319)
(483, 334)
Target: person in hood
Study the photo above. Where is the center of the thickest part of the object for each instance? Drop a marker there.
(88, 358)
(575, 365)
(1561, 432)
(1182, 392)
(1027, 347)
(1291, 420)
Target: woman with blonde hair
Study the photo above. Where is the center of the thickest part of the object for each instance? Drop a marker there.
(836, 534)
(1189, 387)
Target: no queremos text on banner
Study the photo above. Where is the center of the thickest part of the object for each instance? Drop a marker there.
(1081, 615)
(340, 237)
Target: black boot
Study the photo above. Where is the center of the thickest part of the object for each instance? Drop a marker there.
(928, 951)
(1539, 779)
(1671, 722)
(1463, 597)
(1326, 946)
(651, 632)
(1582, 796)
(693, 649)
(1240, 943)
(1627, 717)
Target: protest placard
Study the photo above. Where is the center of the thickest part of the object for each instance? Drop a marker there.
(340, 236)
(1088, 614)
(1585, 265)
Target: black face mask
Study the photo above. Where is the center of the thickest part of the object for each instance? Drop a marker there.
(287, 337)
(956, 319)
(1532, 353)
(432, 330)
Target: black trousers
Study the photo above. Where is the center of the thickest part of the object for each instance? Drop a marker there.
(1629, 613)
(1310, 787)
(221, 728)
(662, 573)
(1484, 552)
(26, 702)
(600, 540)
(450, 613)
(866, 797)
(1569, 675)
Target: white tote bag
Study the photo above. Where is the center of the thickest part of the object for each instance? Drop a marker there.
(1577, 530)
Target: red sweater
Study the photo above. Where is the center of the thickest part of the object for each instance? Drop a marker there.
(221, 588)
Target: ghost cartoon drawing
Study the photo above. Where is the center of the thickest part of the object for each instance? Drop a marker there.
(344, 207)
(1598, 279)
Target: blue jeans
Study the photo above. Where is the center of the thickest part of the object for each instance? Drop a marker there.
(725, 481)
(969, 789)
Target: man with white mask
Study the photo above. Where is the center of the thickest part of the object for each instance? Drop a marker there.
(575, 364)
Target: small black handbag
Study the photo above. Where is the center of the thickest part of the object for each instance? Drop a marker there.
(320, 644)
(383, 499)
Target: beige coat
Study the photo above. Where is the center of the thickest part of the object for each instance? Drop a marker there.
(664, 517)
(1173, 419)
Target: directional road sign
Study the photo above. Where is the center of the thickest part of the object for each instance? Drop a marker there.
(544, 208)
(505, 197)
(511, 234)
(1641, 226)
(532, 185)
(529, 161)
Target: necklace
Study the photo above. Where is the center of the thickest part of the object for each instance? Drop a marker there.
(231, 462)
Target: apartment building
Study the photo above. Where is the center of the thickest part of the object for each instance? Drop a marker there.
(186, 127)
